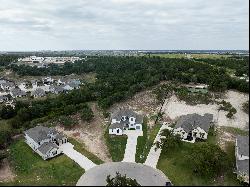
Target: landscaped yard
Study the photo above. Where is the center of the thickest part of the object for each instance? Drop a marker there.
(145, 142)
(179, 170)
(31, 169)
(116, 146)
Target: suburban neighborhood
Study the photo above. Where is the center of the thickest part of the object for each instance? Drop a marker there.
(124, 93)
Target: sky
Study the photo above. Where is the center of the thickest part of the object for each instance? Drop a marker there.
(124, 24)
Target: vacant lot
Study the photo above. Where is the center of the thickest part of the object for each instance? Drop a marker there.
(91, 134)
(31, 169)
(174, 108)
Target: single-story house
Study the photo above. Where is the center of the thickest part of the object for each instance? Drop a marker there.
(71, 86)
(125, 119)
(7, 85)
(45, 141)
(56, 89)
(17, 92)
(39, 92)
(192, 126)
(3, 98)
(242, 158)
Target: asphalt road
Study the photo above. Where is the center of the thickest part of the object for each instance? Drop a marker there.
(145, 175)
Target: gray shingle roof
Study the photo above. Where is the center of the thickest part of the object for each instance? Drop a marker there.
(243, 145)
(191, 121)
(126, 112)
(117, 125)
(17, 91)
(40, 133)
(47, 146)
(242, 166)
(38, 92)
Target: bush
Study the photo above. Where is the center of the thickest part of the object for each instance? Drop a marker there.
(86, 113)
(120, 180)
(67, 121)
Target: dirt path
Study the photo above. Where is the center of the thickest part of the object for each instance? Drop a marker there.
(5, 172)
(91, 134)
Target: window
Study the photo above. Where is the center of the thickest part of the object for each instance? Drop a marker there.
(138, 127)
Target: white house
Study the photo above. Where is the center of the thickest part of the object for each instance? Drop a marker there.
(242, 157)
(125, 119)
(193, 126)
(45, 141)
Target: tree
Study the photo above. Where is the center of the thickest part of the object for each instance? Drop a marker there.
(86, 113)
(67, 121)
(120, 180)
(168, 141)
(7, 112)
(208, 160)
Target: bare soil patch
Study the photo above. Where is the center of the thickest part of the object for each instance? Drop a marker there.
(91, 134)
(6, 174)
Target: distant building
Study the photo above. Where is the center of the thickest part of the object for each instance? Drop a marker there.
(17, 92)
(242, 158)
(195, 88)
(38, 93)
(7, 85)
(125, 119)
(45, 141)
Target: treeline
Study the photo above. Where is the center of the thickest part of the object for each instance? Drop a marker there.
(5, 60)
(239, 64)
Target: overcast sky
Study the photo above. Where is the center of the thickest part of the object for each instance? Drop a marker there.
(123, 24)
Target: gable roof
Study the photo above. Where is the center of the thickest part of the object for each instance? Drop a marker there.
(191, 121)
(243, 145)
(242, 166)
(126, 112)
(38, 92)
(40, 133)
(117, 125)
(17, 91)
(47, 146)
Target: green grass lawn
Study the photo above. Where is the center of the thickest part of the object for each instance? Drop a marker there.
(80, 148)
(31, 169)
(145, 142)
(179, 171)
(116, 146)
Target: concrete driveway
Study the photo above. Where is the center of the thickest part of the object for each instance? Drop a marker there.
(144, 175)
(130, 150)
(84, 162)
(154, 154)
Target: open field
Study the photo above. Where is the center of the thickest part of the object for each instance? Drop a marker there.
(31, 169)
(174, 108)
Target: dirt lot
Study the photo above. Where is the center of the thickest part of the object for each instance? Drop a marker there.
(174, 108)
(91, 134)
(5, 172)
(143, 102)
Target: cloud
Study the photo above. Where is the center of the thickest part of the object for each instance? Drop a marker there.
(123, 24)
